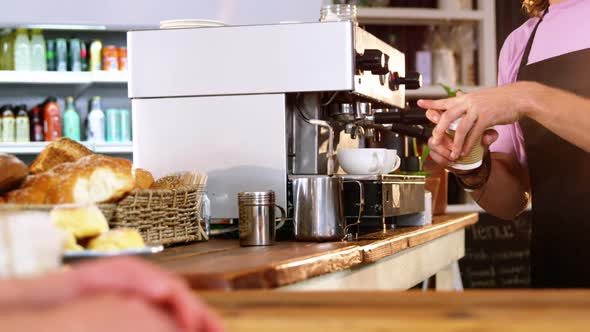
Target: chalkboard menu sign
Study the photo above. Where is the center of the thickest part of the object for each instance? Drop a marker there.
(497, 253)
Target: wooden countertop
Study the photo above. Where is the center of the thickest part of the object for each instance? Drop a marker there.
(530, 311)
(223, 264)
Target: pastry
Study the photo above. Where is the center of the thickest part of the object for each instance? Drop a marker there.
(92, 179)
(143, 178)
(70, 243)
(42, 181)
(80, 221)
(26, 196)
(34, 189)
(58, 152)
(117, 239)
(12, 172)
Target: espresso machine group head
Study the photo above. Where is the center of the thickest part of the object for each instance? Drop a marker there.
(253, 105)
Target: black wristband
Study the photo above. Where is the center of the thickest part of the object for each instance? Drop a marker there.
(480, 175)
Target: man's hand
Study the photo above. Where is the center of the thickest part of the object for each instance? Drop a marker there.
(480, 110)
(125, 277)
(441, 149)
(100, 313)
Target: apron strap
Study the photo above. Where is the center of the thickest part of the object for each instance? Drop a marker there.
(527, 51)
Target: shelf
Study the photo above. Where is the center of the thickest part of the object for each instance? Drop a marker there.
(111, 148)
(471, 207)
(36, 147)
(461, 208)
(436, 91)
(54, 77)
(416, 16)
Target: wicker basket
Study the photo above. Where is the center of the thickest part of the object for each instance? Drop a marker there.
(162, 216)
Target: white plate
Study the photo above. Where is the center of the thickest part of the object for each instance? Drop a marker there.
(70, 256)
(177, 24)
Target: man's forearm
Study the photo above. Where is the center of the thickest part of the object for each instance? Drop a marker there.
(565, 114)
(27, 321)
(506, 191)
(38, 292)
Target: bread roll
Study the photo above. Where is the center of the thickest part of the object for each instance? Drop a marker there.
(80, 221)
(34, 189)
(92, 179)
(12, 172)
(117, 239)
(70, 242)
(58, 152)
(143, 178)
(26, 196)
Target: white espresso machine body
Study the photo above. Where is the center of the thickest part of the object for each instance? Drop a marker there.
(239, 141)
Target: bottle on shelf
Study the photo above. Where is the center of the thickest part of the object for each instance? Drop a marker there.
(464, 46)
(7, 51)
(51, 55)
(61, 54)
(8, 124)
(75, 62)
(444, 65)
(95, 130)
(51, 119)
(36, 122)
(424, 58)
(71, 120)
(113, 125)
(122, 54)
(84, 56)
(95, 55)
(22, 51)
(38, 51)
(125, 125)
(22, 124)
(110, 60)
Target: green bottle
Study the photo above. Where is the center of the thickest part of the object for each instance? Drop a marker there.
(71, 120)
(7, 50)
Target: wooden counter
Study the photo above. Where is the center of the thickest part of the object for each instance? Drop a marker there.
(223, 264)
(530, 311)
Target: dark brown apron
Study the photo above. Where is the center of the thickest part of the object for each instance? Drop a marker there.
(560, 179)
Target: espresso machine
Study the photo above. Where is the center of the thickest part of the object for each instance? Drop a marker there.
(256, 106)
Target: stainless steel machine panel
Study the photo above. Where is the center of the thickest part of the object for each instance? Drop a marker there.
(279, 58)
(239, 141)
(399, 194)
(376, 86)
(403, 195)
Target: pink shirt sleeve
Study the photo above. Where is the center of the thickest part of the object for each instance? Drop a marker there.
(510, 139)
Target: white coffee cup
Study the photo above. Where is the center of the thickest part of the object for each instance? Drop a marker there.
(392, 162)
(363, 161)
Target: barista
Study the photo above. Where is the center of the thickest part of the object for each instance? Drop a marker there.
(540, 146)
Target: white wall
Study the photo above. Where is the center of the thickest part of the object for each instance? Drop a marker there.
(127, 14)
